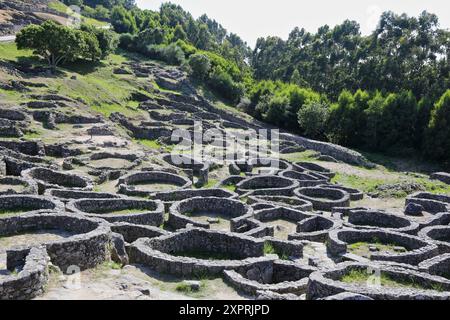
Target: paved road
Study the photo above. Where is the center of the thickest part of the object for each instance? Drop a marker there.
(7, 38)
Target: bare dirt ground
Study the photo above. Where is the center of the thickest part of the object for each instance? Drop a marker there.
(130, 283)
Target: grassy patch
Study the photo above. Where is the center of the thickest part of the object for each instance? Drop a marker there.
(126, 211)
(354, 181)
(362, 248)
(211, 183)
(362, 277)
(15, 210)
(307, 155)
(9, 51)
(187, 289)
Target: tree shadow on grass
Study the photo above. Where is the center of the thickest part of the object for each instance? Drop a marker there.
(83, 67)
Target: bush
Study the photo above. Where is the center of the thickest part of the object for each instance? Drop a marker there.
(313, 118)
(107, 39)
(58, 44)
(438, 132)
(200, 65)
(172, 54)
(223, 83)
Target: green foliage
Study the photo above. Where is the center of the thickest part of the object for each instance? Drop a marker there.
(438, 132)
(107, 39)
(313, 118)
(172, 54)
(123, 21)
(59, 44)
(200, 65)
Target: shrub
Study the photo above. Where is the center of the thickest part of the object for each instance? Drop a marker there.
(172, 54)
(200, 65)
(438, 132)
(313, 118)
(223, 83)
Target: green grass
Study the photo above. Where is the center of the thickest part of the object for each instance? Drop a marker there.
(229, 187)
(299, 156)
(270, 249)
(361, 277)
(152, 144)
(211, 183)
(186, 288)
(9, 51)
(62, 8)
(15, 210)
(354, 181)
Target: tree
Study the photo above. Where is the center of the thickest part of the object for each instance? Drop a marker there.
(179, 33)
(122, 20)
(438, 132)
(313, 118)
(200, 65)
(107, 40)
(57, 43)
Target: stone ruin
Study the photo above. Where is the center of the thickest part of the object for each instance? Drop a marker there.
(271, 228)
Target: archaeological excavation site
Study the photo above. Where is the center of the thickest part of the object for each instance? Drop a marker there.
(131, 178)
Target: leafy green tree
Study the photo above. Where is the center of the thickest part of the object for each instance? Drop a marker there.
(58, 44)
(200, 65)
(224, 84)
(107, 40)
(123, 21)
(438, 132)
(179, 33)
(313, 118)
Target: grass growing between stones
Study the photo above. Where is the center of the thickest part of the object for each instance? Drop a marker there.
(12, 211)
(362, 277)
(187, 288)
(270, 249)
(363, 248)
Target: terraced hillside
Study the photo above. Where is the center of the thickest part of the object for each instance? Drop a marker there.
(90, 181)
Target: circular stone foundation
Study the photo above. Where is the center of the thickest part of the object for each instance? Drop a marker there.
(146, 212)
(313, 168)
(84, 245)
(324, 198)
(377, 282)
(276, 201)
(66, 195)
(268, 166)
(169, 197)
(50, 179)
(381, 245)
(267, 185)
(355, 194)
(16, 204)
(197, 251)
(432, 203)
(371, 219)
(278, 276)
(208, 213)
(439, 235)
(315, 228)
(16, 185)
(146, 183)
(113, 161)
(304, 179)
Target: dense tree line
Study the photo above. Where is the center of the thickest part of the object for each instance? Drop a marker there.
(403, 53)
(385, 92)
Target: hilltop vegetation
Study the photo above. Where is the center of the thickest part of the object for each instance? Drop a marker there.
(386, 92)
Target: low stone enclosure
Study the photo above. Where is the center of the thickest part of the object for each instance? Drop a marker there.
(84, 244)
(305, 179)
(324, 198)
(15, 204)
(144, 183)
(371, 219)
(432, 203)
(145, 212)
(267, 185)
(32, 278)
(378, 282)
(381, 245)
(276, 276)
(50, 179)
(439, 235)
(185, 212)
(16, 185)
(198, 251)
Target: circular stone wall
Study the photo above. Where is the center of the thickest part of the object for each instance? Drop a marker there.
(16, 185)
(15, 204)
(439, 235)
(86, 248)
(145, 183)
(313, 167)
(197, 251)
(267, 184)
(146, 212)
(50, 179)
(324, 198)
(184, 212)
(372, 219)
(304, 179)
(391, 246)
(403, 284)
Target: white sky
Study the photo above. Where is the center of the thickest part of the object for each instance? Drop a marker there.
(251, 19)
